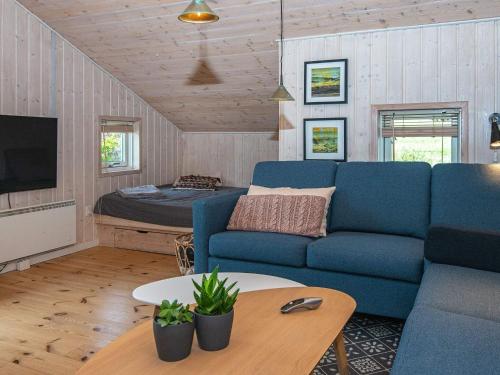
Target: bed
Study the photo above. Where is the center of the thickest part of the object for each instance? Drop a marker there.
(152, 223)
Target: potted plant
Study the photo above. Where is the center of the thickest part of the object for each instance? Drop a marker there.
(214, 311)
(173, 329)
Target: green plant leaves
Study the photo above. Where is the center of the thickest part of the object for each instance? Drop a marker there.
(173, 313)
(212, 296)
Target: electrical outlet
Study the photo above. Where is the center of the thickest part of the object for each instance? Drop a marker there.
(23, 265)
(89, 211)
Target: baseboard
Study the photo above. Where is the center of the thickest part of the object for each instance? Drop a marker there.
(43, 257)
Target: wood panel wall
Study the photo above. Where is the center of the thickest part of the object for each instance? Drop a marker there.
(230, 155)
(31, 57)
(438, 63)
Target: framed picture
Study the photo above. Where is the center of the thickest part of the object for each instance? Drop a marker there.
(325, 138)
(325, 82)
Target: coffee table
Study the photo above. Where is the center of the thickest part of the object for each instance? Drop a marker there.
(263, 340)
(181, 288)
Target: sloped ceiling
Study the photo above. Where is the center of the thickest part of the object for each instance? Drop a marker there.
(218, 77)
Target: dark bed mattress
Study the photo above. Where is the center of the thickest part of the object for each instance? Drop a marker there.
(174, 208)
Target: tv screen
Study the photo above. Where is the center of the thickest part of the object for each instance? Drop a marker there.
(28, 153)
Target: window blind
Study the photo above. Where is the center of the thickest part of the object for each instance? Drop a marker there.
(421, 123)
(114, 126)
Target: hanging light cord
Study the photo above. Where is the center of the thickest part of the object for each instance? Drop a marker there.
(281, 42)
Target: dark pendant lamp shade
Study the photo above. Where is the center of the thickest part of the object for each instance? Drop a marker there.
(495, 131)
(281, 94)
(198, 12)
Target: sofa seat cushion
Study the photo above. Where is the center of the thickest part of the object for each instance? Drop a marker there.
(444, 343)
(371, 254)
(461, 290)
(274, 248)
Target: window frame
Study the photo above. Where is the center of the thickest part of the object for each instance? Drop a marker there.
(376, 130)
(120, 170)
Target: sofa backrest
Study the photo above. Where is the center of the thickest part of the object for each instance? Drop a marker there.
(382, 197)
(466, 196)
(295, 174)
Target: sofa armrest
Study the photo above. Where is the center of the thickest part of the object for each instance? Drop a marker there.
(210, 216)
(465, 248)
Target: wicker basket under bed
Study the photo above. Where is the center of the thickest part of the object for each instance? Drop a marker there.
(184, 252)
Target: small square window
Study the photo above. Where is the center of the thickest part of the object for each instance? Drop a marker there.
(119, 145)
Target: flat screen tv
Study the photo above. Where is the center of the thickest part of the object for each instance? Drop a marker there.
(28, 153)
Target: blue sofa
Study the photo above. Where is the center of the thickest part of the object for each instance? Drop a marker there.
(377, 225)
(454, 326)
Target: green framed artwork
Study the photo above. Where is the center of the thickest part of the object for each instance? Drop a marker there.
(325, 82)
(325, 139)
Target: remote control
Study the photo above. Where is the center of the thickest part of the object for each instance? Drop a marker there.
(309, 303)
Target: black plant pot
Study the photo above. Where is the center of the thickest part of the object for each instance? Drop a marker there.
(213, 331)
(173, 343)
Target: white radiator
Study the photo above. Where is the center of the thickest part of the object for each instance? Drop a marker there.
(32, 230)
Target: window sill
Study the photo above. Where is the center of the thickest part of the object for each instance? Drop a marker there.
(107, 172)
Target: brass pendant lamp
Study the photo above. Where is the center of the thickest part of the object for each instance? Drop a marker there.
(198, 12)
(281, 94)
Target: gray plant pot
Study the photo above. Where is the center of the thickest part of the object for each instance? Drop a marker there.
(173, 343)
(213, 331)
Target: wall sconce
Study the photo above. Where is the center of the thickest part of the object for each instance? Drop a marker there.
(495, 134)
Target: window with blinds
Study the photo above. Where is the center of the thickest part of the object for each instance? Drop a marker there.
(119, 145)
(432, 136)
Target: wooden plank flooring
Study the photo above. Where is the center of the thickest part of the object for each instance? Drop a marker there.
(56, 315)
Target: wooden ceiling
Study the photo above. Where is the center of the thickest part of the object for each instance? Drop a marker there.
(218, 77)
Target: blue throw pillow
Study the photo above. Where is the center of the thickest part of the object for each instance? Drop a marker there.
(465, 248)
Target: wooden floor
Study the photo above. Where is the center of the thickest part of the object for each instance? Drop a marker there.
(56, 315)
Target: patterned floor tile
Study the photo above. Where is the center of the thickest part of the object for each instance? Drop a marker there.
(354, 351)
(397, 326)
(372, 347)
(330, 370)
(317, 371)
(350, 325)
(371, 343)
(385, 359)
(365, 365)
(328, 359)
(380, 331)
(364, 320)
(392, 341)
(357, 335)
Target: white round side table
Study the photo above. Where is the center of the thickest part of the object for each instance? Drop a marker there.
(181, 288)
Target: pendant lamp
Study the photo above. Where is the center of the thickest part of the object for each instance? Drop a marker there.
(198, 12)
(281, 94)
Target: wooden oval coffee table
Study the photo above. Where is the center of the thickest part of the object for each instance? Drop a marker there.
(263, 341)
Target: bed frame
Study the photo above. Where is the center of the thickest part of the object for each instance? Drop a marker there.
(135, 235)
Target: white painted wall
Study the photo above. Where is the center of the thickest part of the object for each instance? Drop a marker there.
(432, 63)
(231, 155)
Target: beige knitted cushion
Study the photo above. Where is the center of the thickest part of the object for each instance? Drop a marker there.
(292, 214)
(321, 192)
